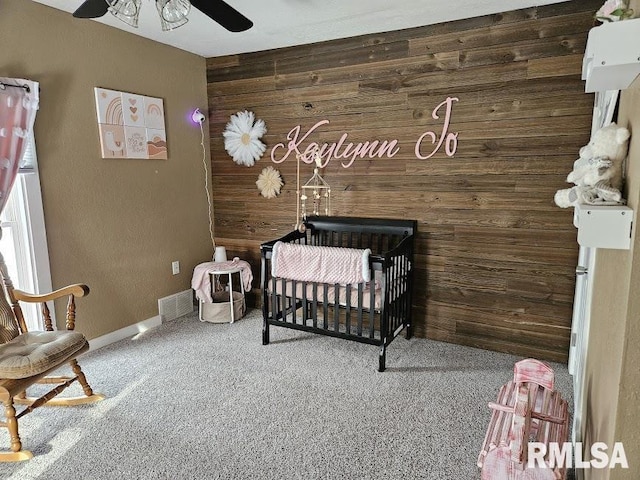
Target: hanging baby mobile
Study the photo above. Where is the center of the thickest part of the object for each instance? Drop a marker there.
(269, 182)
(315, 193)
(242, 138)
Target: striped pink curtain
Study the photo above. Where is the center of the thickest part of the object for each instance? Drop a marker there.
(18, 105)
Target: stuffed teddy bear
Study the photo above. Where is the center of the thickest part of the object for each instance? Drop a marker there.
(602, 158)
(597, 173)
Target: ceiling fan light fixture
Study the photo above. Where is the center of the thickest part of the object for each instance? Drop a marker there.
(174, 10)
(173, 13)
(125, 10)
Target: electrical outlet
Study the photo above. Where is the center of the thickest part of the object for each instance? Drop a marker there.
(175, 267)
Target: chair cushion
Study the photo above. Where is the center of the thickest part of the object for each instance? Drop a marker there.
(8, 326)
(36, 352)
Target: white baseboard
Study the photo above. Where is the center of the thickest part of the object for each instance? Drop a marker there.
(125, 332)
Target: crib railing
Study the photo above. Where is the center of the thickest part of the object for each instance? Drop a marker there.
(313, 305)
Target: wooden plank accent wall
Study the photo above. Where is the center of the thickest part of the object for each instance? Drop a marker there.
(495, 257)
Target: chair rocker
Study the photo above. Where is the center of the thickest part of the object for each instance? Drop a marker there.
(27, 358)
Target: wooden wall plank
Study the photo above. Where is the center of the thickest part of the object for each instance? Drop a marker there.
(383, 69)
(554, 67)
(500, 34)
(495, 258)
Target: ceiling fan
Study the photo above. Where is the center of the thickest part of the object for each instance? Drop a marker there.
(127, 10)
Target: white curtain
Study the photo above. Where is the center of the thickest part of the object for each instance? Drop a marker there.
(18, 105)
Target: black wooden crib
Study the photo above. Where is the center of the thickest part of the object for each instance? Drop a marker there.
(374, 310)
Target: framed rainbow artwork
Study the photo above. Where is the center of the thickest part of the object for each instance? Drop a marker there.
(130, 125)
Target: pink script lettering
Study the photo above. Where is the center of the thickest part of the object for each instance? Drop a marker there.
(450, 138)
(338, 150)
(349, 152)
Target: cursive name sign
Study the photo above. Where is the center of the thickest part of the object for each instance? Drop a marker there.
(348, 152)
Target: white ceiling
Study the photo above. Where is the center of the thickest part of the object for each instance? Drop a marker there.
(283, 23)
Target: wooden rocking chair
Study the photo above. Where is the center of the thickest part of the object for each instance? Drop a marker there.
(26, 358)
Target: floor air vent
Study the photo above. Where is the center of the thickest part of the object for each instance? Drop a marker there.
(175, 305)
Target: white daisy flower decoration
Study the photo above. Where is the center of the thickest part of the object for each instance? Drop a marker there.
(269, 182)
(242, 138)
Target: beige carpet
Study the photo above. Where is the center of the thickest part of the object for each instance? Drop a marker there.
(192, 400)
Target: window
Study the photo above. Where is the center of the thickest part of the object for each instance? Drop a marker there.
(24, 240)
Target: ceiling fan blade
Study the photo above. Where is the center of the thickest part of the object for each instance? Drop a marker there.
(224, 14)
(91, 9)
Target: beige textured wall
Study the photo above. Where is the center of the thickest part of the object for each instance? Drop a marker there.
(628, 412)
(613, 376)
(113, 224)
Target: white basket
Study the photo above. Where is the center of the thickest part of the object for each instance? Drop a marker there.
(220, 310)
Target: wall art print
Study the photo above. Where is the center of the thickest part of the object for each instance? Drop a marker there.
(130, 126)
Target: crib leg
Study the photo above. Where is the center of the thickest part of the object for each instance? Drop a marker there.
(409, 331)
(383, 358)
(265, 332)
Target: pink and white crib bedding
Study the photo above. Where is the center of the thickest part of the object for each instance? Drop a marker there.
(310, 263)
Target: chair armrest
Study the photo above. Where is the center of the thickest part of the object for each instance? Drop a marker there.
(71, 292)
(77, 290)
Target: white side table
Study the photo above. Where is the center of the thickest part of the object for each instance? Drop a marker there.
(225, 271)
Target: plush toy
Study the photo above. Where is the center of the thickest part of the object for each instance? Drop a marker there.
(597, 173)
(602, 158)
